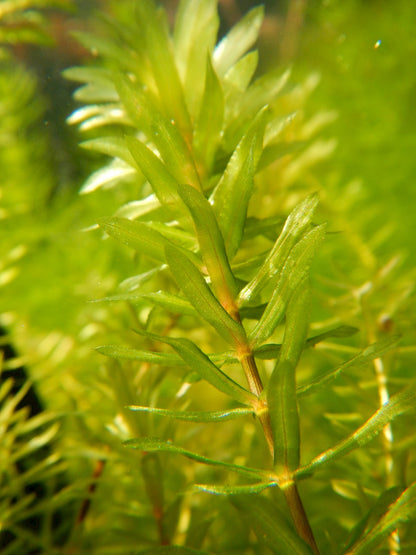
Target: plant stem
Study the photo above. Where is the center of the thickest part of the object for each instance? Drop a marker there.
(290, 491)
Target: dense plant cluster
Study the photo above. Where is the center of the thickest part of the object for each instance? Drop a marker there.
(255, 393)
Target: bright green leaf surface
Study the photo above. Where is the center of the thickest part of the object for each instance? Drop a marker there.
(296, 224)
(294, 271)
(120, 352)
(232, 194)
(400, 403)
(281, 389)
(211, 242)
(399, 512)
(206, 369)
(159, 445)
(192, 283)
(238, 40)
(196, 416)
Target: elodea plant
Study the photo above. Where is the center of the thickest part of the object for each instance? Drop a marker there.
(221, 298)
(236, 408)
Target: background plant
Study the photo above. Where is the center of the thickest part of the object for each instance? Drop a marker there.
(202, 237)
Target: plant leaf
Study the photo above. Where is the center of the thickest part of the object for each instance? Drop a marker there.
(136, 235)
(399, 404)
(238, 40)
(160, 130)
(281, 389)
(196, 416)
(171, 302)
(192, 283)
(162, 446)
(368, 354)
(233, 490)
(211, 243)
(206, 369)
(208, 126)
(296, 224)
(126, 353)
(173, 550)
(162, 181)
(158, 47)
(400, 511)
(294, 271)
(270, 525)
(232, 194)
(195, 34)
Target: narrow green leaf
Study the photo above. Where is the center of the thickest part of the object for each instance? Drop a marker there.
(270, 525)
(160, 130)
(162, 181)
(170, 302)
(270, 351)
(399, 404)
(173, 550)
(238, 40)
(126, 353)
(402, 510)
(232, 194)
(294, 271)
(208, 127)
(155, 33)
(387, 498)
(136, 235)
(368, 354)
(296, 224)
(233, 490)
(162, 446)
(238, 78)
(195, 34)
(195, 416)
(281, 389)
(206, 369)
(109, 176)
(211, 242)
(111, 146)
(192, 283)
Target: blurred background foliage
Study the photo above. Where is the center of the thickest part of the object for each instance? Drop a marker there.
(360, 54)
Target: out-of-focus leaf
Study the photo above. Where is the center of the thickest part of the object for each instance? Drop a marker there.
(127, 353)
(192, 283)
(206, 369)
(294, 271)
(296, 224)
(373, 516)
(270, 525)
(211, 243)
(173, 550)
(232, 194)
(400, 511)
(108, 176)
(112, 146)
(368, 354)
(195, 416)
(195, 34)
(238, 40)
(238, 77)
(233, 490)
(208, 126)
(170, 302)
(281, 389)
(399, 404)
(161, 446)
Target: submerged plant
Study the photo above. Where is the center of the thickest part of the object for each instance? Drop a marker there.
(226, 416)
